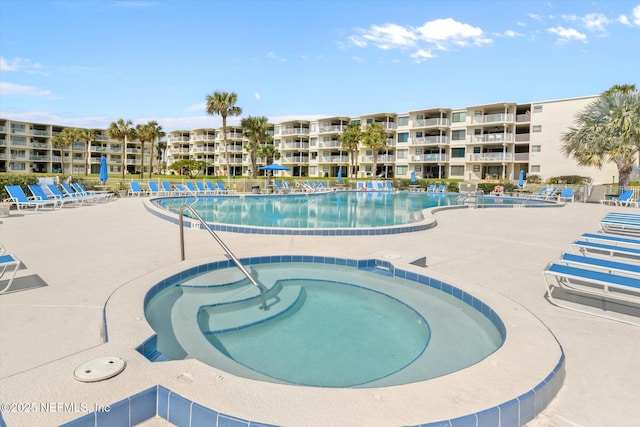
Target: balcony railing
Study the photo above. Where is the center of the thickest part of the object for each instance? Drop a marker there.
(521, 157)
(295, 145)
(523, 118)
(178, 139)
(430, 140)
(329, 144)
(381, 158)
(493, 137)
(331, 128)
(493, 118)
(431, 157)
(333, 159)
(491, 157)
(295, 131)
(421, 123)
(522, 137)
(203, 137)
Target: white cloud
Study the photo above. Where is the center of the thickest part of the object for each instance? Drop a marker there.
(421, 55)
(567, 34)
(201, 106)
(636, 15)
(596, 22)
(273, 56)
(623, 19)
(512, 34)
(7, 88)
(46, 117)
(438, 34)
(257, 96)
(357, 58)
(20, 65)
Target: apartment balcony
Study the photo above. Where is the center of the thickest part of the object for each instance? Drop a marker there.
(38, 132)
(295, 146)
(387, 125)
(329, 144)
(491, 157)
(521, 157)
(423, 123)
(493, 118)
(331, 129)
(294, 131)
(430, 140)
(432, 157)
(382, 158)
(523, 118)
(203, 137)
(40, 157)
(40, 145)
(523, 137)
(171, 139)
(179, 151)
(333, 159)
(196, 150)
(18, 129)
(3, 129)
(492, 138)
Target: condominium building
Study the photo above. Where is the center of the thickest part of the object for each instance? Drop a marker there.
(489, 141)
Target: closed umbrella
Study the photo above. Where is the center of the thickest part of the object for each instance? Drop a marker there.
(104, 172)
(521, 179)
(339, 175)
(413, 177)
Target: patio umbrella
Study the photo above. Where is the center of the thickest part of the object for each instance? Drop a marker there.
(521, 179)
(104, 172)
(413, 177)
(275, 167)
(339, 174)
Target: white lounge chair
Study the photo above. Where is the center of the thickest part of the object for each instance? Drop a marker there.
(20, 199)
(8, 261)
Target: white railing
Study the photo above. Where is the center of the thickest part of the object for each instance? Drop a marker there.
(433, 157)
(429, 140)
(430, 122)
(493, 118)
(491, 157)
(493, 137)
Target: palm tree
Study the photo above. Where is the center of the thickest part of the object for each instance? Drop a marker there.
(350, 140)
(256, 130)
(607, 130)
(223, 103)
(375, 138)
(88, 136)
(64, 139)
(269, 152)
(160, 147)
(144, 134)
(124, 131)
(155, 132)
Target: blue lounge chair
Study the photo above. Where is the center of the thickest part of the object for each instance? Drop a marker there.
(20, 199)
(80, 188)
(566, 194)
(153, 189)
(607, 265)
(8, 261)
(180, 189)
(619, 225)
(622, 198)
(370, 186)
(190, 188)
(442, 188)
(39, 194)
(611, 239)
(431, 188)
(587, 282)
(70, 192)
(56, 193)
(135, 189)
(552, 193)
(584, 247)
(200, 188)
(389, 187)
(212, 187)
(166, 187)
(221, 188)
(362, 186)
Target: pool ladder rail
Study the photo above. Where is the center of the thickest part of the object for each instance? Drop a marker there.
(473, 197)
(243, 269)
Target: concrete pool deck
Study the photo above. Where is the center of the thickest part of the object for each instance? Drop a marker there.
(85, 254)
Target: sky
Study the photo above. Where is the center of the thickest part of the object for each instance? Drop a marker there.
(88, 63)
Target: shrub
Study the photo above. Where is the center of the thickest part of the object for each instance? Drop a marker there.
(21, 179)
(569, 180)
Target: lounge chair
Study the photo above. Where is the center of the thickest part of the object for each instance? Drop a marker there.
(587, 282)
(166, 187)
(135, 190)
(201, 188)
(56, 193)
(362, 186)
(620, 225)
(602, 249)
(606, 265)
(442, 188)
(180, 190)
(191, 188)
(70, 192)
(552, 193)
(431, 188)
(285, 186)
(104, 195)
(389, 187)
(370, 186)
(8, 261)
(278, 187)
(566, 194)
(542, 193)
(609, 239)
(153, 189)
(212, 187)
(221, 188)
(622, 198)
(20, 199)
(39, 194)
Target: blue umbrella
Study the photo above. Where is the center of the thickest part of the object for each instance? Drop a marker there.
(339, 174)
(413, 177)
(104, 172)
(275, 167)
(521, 179)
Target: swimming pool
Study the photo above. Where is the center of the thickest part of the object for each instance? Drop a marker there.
(334, 213)
(355, 324)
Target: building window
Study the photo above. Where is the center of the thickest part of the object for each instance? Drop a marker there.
(403, 121)
(457, 170)
(537, 108)
(313, 170)
(536, 128)
(535, 148)
(419, 134)
(403, 137)
(458, 135)
(313, 142)
(535, 168)
(402, 170)
(459, 117)
(476, 168)
(418, 168)
(402, 154)
(457, 152)
(477, 150)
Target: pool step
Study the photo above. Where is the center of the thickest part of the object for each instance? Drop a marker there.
(228, 277)
(186, 328)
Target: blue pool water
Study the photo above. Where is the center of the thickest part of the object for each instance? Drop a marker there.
(336, 210)
(347, 324)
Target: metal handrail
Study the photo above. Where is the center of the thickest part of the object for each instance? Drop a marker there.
(263, 299)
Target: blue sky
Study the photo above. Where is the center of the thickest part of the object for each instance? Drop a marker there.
(89, 62)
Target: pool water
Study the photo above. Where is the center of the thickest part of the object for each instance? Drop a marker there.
(342, 209)
(326, 326)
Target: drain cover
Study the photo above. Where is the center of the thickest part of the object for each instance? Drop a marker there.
(99, 369)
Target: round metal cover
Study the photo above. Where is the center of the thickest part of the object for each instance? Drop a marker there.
(99, 369)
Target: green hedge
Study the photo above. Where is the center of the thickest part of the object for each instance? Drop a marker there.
(22, 179)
